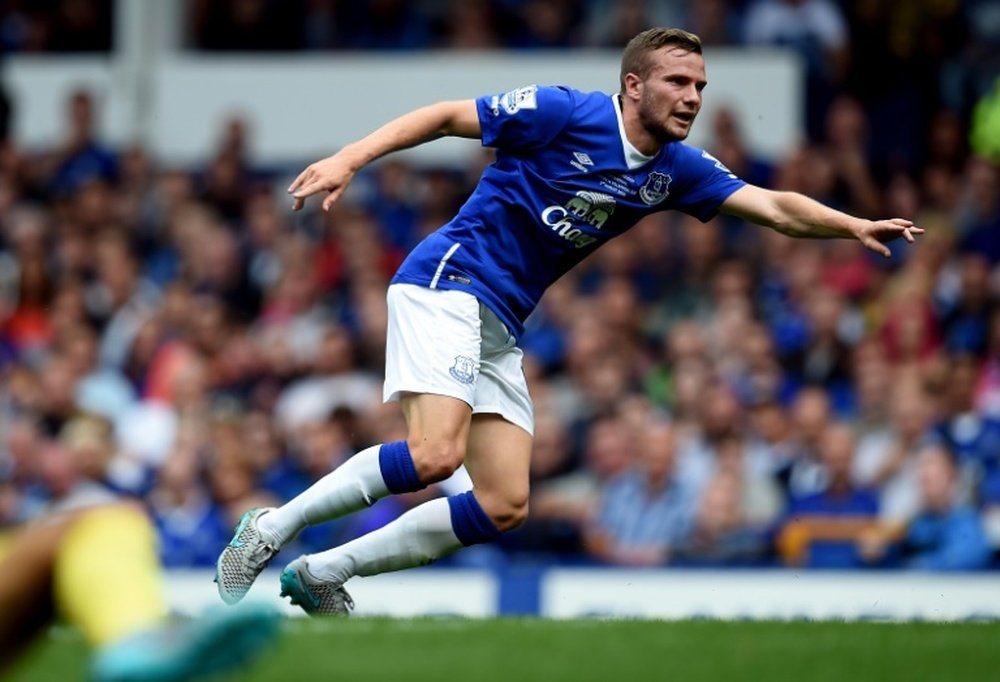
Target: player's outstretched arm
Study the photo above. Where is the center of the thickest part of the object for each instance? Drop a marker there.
(334, 173)
(799, 216)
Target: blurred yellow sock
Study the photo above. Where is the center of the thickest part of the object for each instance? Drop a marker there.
(107, 574)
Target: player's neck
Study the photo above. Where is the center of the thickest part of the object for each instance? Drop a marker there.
(636, 133)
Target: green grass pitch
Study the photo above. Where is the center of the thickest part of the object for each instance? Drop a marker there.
(524, 650)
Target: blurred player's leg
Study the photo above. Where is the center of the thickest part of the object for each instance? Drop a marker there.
(107, 582)
(107, 578)
(98, 568)
(26, 566)
(220, 640)
(498, 459)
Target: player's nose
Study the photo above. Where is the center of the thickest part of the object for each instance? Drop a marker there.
(692, 96)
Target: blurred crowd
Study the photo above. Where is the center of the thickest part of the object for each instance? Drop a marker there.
(901, 59)
(706, 394)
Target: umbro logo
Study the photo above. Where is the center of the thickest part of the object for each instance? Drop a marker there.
(581, 161)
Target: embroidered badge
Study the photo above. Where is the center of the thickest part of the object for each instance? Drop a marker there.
(656, 188)
(464, 369)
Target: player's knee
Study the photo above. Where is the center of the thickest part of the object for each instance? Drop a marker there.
(509, 513)
(436, 460)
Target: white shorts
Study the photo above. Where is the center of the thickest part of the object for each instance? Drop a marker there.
(446, 342)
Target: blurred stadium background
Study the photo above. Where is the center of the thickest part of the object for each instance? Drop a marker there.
(170, 330)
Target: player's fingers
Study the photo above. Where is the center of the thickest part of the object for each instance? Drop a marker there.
(878, 247)
(330, 200)
(907, 236)
(298, 180)
(902, 222)
(308, 189)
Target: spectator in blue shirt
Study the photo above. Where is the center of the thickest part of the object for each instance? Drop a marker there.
(645, 511)
(945, 535)
(82, 157)
(973, 435)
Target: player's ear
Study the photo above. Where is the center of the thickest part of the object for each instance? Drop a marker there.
(632, 86)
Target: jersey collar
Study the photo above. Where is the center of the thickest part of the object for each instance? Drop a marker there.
(633, 157)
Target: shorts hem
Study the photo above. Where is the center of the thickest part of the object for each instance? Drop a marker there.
(393, 396)
(506, 416)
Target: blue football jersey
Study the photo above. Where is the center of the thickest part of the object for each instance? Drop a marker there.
(565, 181)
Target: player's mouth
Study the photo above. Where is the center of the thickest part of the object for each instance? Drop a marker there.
(686, 117)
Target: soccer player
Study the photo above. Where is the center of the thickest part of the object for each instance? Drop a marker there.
(572, 171)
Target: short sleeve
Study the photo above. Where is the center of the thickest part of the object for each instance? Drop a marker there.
(523, 118)
(704, 183)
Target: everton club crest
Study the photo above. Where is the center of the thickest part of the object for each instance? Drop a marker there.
(464, 369)
(655, 189)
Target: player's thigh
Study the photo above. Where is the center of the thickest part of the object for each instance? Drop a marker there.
(499, 461)
(26, 570)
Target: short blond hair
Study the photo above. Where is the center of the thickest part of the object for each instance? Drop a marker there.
(635, 57)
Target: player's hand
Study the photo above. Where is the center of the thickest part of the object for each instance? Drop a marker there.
(874, 234)
(331, 174)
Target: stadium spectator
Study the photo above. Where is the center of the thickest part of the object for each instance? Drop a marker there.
(720, 418)
(987, 398)
(721, 534)
(683, 346)
(718, 22)
(811, 416)
(645, 512)
(188, 521)
(944, 535)
(965, 322)
(845, 145)
(730, 147)
(911, 332)
(972, 436)
(824, 359)
(81, 157)
(470, 26)
(761, 499)
(821, 529)
(887, 460)
(772, 444)
(899, 50)
(977, 215)
(817, 31)
(567, 503)
(871, 376)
